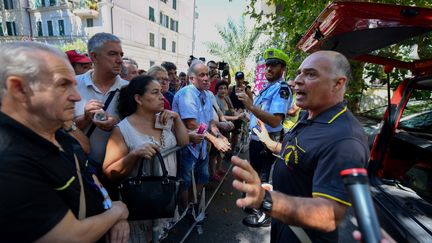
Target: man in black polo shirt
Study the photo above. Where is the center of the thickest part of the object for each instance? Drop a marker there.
(308, 191)
(48, 193)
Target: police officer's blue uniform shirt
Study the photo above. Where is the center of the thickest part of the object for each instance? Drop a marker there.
(191, 103)
(272, 100)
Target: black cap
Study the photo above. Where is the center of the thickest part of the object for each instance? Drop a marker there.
(239, 75)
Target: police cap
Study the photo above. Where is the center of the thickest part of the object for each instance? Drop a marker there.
(275, 56)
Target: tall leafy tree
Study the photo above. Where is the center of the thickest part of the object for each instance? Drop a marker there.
(238, 44)
(292, 19)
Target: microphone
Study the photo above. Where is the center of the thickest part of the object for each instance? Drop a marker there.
(357, 184)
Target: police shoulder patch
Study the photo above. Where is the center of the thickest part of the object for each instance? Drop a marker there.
(284, 91)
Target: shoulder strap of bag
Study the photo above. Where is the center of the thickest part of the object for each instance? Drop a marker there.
(162, 163)
(106, 104)
(300, 234)
(82, 203)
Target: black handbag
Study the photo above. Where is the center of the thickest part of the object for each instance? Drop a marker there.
(150, 197)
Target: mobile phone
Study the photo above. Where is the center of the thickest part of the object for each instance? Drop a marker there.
(100, 116)
(202, 128)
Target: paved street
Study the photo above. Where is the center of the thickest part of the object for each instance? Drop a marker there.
(223, 223)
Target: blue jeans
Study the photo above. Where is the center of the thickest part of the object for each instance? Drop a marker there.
(188, 164)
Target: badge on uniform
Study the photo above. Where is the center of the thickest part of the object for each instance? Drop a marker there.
(270, 54)
(284, 93)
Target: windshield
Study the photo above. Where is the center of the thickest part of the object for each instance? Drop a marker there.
(414, 48)
(414, 106)
(417, 115)
(418, 122)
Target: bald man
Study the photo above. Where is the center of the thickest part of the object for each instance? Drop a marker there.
(308, 191)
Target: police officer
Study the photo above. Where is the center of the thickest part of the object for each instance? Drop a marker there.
(270, 106)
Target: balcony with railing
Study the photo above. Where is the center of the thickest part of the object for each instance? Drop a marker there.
(86, 8)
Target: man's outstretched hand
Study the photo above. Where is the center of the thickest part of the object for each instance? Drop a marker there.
(247, 181)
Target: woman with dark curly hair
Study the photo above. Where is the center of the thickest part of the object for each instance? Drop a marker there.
(141, 105)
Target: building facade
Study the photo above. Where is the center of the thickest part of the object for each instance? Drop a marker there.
(151, 31)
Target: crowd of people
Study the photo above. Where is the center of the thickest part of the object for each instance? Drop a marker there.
(73, 125)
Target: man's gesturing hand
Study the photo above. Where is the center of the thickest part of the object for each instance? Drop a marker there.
(247, 181)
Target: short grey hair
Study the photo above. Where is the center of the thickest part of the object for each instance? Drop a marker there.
(343, 66)
(98, 40)
(22, 59)
(340, 64)
(192, 67)
(155, 69)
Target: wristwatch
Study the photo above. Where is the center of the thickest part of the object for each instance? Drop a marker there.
(267, 203)
(72, 127)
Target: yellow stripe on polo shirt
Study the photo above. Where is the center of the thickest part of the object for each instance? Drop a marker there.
(68, 183)
(337, 115)
(319, 194)
(298, 146)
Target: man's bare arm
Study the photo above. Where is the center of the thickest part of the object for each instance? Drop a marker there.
(316, 213)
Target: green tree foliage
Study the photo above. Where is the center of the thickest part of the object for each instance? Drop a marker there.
(294, 17)
(91, 4)
(238, 44)
(78, 45)
(288, 26)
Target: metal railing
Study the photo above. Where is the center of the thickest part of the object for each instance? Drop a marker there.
(199, 216)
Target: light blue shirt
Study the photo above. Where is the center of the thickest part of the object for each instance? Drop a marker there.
(191, 103)
(270, 100)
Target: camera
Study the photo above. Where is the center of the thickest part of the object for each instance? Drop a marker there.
(100, 116)
(191, 58)
(222, 65)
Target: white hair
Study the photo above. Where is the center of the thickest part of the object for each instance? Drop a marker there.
(19, 58)
(192, 67)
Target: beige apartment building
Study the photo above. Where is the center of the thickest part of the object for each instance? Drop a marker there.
(151, 31)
